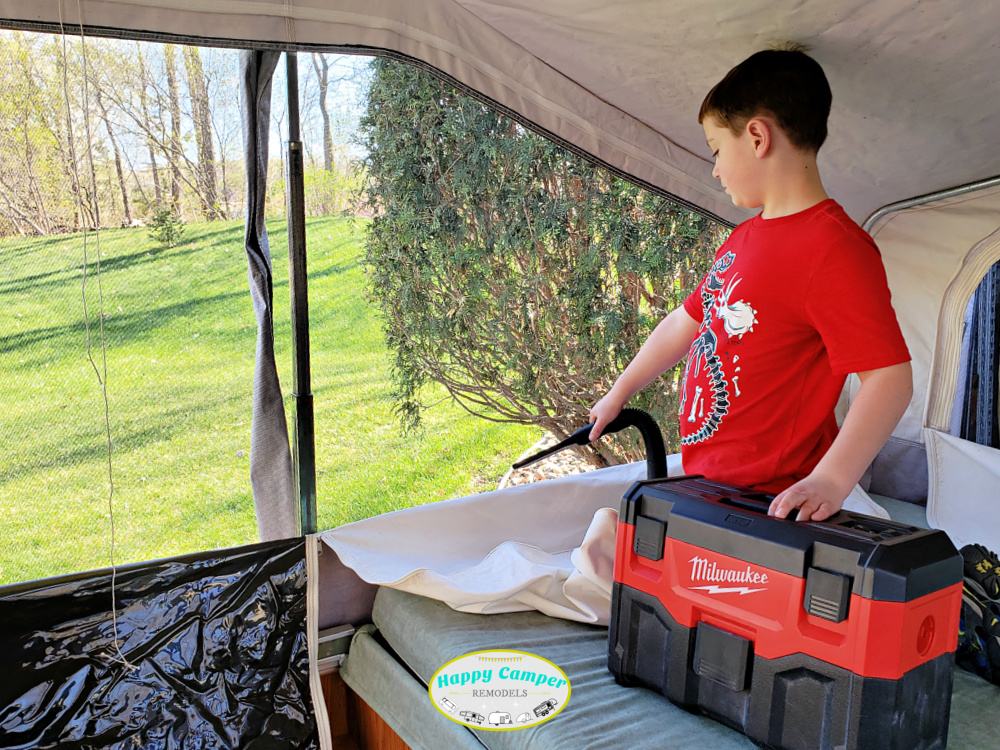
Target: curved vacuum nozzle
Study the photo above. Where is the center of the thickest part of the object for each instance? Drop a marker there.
(652, 439)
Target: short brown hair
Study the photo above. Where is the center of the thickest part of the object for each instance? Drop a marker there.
(786, 84)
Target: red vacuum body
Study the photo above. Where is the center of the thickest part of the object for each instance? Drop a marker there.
(805, 636)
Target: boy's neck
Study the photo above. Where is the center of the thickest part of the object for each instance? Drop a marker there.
(794, 185)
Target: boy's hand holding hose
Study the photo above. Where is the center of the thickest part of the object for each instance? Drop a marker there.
(603, 412)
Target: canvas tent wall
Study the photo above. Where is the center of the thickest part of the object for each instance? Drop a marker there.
(936, 254)
(914, 90)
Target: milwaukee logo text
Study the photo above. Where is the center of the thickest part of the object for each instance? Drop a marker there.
(710, 572)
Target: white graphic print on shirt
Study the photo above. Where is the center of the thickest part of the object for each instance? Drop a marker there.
(704, 368)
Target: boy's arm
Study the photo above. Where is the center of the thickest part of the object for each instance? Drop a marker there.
(883, 397)
(667, 345)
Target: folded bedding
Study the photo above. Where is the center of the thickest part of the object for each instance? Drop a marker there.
(546, 546)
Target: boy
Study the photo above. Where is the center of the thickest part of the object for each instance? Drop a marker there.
(795, 301)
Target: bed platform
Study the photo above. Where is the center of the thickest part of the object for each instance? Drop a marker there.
(411, 637)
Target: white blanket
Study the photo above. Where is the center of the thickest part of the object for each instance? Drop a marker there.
(547, 546)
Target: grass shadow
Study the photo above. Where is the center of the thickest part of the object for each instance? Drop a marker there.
(90, 446)
(113, 264)
(120, 329)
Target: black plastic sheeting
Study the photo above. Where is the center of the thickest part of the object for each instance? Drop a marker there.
(212, 655)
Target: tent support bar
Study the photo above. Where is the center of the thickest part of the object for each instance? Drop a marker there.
(930, 197)
(304, 438)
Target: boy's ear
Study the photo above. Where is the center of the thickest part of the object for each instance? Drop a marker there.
(761, 135)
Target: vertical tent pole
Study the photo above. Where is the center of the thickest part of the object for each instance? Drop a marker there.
(304, 439)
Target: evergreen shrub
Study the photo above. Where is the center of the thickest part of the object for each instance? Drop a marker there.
(517, 274)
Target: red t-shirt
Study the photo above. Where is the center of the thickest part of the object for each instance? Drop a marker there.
(791, 306)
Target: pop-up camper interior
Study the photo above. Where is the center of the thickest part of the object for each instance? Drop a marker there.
(912, 156)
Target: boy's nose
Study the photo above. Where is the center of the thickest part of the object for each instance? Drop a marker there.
(715, 171)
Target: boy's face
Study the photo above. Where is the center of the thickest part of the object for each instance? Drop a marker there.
(735, 163)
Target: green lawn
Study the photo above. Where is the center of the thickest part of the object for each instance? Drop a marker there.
(180, 337)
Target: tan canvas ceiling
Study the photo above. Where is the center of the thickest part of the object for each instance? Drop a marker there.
(916, 84)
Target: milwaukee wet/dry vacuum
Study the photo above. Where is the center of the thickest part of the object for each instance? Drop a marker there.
(819, 635)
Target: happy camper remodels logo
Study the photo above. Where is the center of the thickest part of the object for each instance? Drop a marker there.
(714, 576)
(499, 690)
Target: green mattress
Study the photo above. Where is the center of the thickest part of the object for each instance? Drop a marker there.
(392, 660)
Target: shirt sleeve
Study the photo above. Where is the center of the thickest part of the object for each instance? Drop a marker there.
(849, 303)
(693, 304)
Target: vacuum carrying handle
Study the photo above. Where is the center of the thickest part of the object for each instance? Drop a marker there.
(656, 455)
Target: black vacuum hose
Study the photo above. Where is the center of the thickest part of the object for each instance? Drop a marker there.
(652, 440)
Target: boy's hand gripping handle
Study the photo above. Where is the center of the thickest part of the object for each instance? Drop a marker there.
(656, 458)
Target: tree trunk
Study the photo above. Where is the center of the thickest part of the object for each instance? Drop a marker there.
(33, 189)
(174, 153)
(225, 192)
(95, 199)
(200, 112)
(148, 125)
(322, 67)
(15, 215)
(69, 155)
(126, 203)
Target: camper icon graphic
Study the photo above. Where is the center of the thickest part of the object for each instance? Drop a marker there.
(449, 706)
(500, 717)
(544, 708)
(472, 717)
